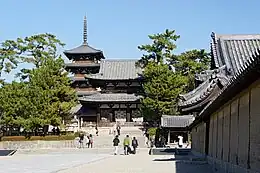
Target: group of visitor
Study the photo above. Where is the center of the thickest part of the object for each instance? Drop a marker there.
(116, 129)
(85, 140)
(127, 145)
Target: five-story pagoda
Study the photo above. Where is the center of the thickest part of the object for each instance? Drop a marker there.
(85, 61)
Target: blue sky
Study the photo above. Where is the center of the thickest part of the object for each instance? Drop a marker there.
(118, 26)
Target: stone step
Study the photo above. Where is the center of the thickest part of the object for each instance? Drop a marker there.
(170, 151)
(106, 141)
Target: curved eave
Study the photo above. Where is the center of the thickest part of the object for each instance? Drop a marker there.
(205, 97)
(86, 93)
(242, 80)
(72, 56)
(186, 99)
(73, 79)
(99, 77)
(111, 98)
(76, 65)
(82, 101)
(198, 106)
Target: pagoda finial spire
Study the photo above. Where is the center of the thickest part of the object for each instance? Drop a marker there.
(85, 34)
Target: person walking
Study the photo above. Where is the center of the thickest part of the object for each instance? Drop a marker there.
(114, 129)
(90, 141)
(180, 143)
(126, 145)
(81, 140)
(134, 144)
(146, 134)
(116, 141)
(118, 128)
(96, 130)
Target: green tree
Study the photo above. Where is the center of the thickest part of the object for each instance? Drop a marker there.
(13, 101)
(162, 88)
(46, 97)
(33, 50)
(51, 83)
(167, 75)
(190, 63)
(161, 48)
(161, 85)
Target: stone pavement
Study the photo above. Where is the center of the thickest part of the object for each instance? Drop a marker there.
(139, 163)
(47, 162)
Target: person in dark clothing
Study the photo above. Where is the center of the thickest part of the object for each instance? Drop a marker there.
(90, 141)
(81, 139)
(96, 130)
(53, 131)
(118, 128)
(134, 144)
(116, 141)
(58, 131)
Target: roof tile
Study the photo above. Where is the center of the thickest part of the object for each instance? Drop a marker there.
(176, 121)
(110, 97)
(83, 49)
(117, 70)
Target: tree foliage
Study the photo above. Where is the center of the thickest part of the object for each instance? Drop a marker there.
(33, 49)
(161, 48)
(161, 86)
(167, 75)
(189, 63)
(46, 98)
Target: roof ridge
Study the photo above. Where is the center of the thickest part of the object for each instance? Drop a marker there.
(238, 36)
(118, 60)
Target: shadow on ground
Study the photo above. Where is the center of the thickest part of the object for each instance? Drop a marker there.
(7, 152)
(187, 164)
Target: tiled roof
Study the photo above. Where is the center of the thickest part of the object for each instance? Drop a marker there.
(205, 75)
(229, 56)
(82, 64)
(207, 91)
(75, 109)
(86, 93)
(117, 70)
(115, 97)
(176, 121)
(73, 79)
(82, 110)
(83, 49)
(242, 80)
(233, 50)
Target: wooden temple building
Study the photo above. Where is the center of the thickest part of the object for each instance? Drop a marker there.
(226, 105)
(108, 90)
(175, 125)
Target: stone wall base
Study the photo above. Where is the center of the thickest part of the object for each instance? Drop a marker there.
(13, 145)
(226, 167)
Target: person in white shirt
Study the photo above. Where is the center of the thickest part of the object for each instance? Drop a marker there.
(180, 143)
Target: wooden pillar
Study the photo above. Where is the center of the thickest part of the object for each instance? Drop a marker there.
(111, 112)
(169, 136)
(98, 114)
(128, 113)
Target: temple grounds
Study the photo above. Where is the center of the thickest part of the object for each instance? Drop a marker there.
(95, 161)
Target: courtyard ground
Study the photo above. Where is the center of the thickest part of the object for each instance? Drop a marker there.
(96, 161)
(100, 159)
(139, 163)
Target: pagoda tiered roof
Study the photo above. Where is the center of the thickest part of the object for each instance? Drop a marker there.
(229, 55)
(84, 51)
(77, 64)
(117, 70)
